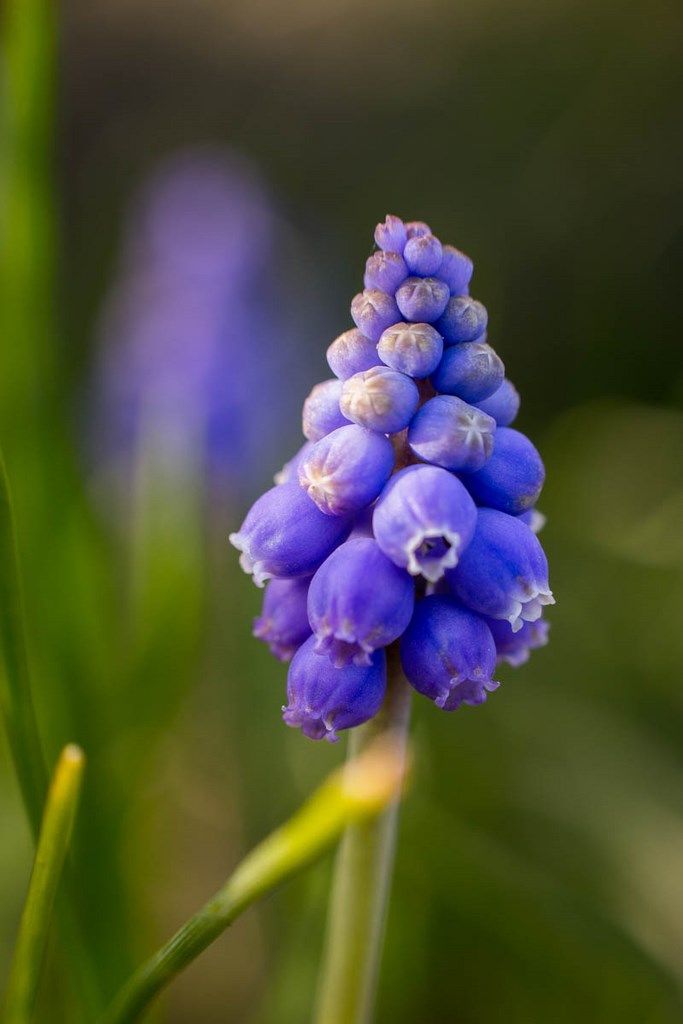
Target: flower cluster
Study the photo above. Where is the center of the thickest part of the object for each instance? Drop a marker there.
(409, 513)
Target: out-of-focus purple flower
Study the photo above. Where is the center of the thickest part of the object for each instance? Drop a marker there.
(321, 413)
(192, 330)
(515, 648)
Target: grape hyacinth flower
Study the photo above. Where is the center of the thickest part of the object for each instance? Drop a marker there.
(193, 328)
(406, 522)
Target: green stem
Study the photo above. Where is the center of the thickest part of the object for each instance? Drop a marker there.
(55, 833)
(353, 794)
(358, 906)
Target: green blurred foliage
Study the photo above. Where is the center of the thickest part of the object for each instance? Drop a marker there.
(539, 869)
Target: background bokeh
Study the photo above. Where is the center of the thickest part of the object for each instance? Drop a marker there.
(540, 867)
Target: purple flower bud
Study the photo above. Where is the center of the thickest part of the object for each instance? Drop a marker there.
(358, 601)
(391, 235)
(413, 349)
(456, 270)
(323, 699)
(512, 479)
(385, 271)
(423, 520)
(423, 255)
(373, 311)
(346, 470)
(351, 353)
(515, 648)
(472, 372)
(417, 228)
(380, 399)
(283, 623)
(285, 535)
(422, 299)
(464, 319)
(503, 573)
(450, 433)
(448, 654)
(534, 519)
(290, 471)
(503, 404)
(321, 412)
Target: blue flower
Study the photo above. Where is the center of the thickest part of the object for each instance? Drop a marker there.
(464, 319)
(373, 311)
(503, 572)
(351, 618)
(323, 700)
(346, 470)
(385, 271)
(380, 506)
(424, 520)
(512, 479)
(448, 654)
(284, 534)
(321, 413)
(414, 349)
(448, 432)
(380, 399)
(515, 648)
(283, 623)
(421, 299)
(469, 371)
(503, 404)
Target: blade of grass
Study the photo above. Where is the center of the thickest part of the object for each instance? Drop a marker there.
(15, 688)
(355, 793)
(55, 833)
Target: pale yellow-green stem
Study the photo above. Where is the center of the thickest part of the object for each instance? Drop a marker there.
(355, 793)
(53, 843)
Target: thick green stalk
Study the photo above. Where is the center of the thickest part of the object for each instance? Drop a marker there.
(55, 833)
(355, 793)
(360, 894)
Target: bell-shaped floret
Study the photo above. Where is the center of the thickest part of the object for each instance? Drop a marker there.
(503, 573)
(283, 623)
(284, 535)
(513, 477)
(424, 520)
(358, 601)
(323, 700)
(448, 654)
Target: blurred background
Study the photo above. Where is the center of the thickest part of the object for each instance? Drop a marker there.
(219, 170)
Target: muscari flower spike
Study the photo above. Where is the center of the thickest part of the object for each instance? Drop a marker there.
(408, 516)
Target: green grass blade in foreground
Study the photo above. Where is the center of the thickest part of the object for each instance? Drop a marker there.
(15, 689)
(355, 793)
(55, 833)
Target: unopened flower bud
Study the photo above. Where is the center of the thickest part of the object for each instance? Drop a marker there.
(346, 470)
(413, 349)
(469, 371)
(380, 399)
(448, 432)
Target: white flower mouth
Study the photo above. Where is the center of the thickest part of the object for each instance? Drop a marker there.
(530, 608)
(253, 567)
(431, 551)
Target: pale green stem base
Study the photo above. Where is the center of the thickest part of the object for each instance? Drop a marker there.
(363, 871)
